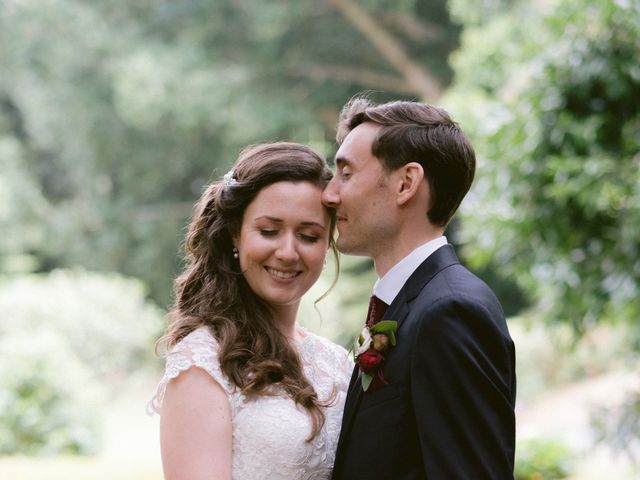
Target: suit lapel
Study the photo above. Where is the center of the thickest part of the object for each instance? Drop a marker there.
(442, 258)
(398, 311)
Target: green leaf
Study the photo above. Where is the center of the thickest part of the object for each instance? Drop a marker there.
(384, 326)
(392, 339)
(366, 381)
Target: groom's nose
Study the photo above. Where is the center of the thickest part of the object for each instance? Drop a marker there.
(330, 196)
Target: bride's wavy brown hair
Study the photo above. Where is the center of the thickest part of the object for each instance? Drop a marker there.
(212, 291)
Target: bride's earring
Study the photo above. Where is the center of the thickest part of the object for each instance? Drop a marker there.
(236, 254)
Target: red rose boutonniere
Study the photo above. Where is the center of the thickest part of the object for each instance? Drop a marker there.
(370, 347)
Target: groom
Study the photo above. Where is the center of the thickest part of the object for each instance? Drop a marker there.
(441, 404)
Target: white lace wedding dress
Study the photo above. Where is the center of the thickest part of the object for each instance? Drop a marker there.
(269, 433)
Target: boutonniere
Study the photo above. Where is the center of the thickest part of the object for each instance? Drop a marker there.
(369, 348)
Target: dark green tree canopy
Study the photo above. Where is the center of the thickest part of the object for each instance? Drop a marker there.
(556, 120)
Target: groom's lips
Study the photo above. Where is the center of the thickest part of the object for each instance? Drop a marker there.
(341, 218)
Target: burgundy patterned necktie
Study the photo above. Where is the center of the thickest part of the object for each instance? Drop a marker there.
(376, 310)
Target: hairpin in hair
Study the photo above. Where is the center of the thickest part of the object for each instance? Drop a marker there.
(228, 179)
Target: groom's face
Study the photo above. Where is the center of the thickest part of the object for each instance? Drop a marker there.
(361, 194)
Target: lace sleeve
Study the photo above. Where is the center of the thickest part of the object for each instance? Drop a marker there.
(198, 349)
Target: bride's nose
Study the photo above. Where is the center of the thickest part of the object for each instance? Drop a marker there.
(287, 249)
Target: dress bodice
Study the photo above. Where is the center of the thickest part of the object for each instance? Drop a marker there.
(270, 432)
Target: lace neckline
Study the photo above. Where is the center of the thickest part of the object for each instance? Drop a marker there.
(305, 341)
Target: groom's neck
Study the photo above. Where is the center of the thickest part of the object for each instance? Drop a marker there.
(402, 246)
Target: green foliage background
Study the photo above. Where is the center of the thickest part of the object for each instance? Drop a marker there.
(556, 121)
(114, 115)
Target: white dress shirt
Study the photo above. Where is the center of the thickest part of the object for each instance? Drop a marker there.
(388, 287)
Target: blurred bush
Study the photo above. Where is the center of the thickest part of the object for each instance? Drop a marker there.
(48, 403)
(543, 459)
(104, 319)
(66, 338)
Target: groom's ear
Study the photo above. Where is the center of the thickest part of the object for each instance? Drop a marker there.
(411, 179)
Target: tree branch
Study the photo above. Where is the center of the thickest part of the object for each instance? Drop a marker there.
(366, 78)
(411, 27)
(419, 80)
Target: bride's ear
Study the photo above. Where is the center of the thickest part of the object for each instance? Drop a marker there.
(410, 181)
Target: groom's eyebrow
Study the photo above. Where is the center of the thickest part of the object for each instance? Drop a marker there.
(341, 162)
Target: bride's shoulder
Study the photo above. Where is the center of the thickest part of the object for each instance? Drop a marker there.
(199, 349)
(201, 337)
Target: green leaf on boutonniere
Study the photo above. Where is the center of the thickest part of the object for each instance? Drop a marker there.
(388, 327)
(385, 326)
(366, 381)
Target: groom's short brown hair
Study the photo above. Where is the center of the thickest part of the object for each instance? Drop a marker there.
(417, 132)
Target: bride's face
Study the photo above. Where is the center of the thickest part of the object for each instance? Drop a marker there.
(283, 241)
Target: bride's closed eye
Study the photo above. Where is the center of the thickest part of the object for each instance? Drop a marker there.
(308, 238)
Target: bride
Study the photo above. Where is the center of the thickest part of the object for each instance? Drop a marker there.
(247, 393)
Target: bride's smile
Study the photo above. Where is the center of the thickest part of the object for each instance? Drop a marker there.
(282, 275)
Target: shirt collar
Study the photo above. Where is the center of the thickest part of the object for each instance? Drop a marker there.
(388, 287)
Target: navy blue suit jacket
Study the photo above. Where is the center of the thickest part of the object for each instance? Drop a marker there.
(447, 412)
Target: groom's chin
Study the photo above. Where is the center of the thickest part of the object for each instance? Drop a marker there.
(342, 245)
(347, 248)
